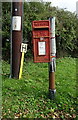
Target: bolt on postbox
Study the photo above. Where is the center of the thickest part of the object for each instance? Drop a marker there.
(41, 40)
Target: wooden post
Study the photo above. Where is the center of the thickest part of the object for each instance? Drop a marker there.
(17, 11)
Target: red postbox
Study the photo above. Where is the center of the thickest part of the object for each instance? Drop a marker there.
(41, 40)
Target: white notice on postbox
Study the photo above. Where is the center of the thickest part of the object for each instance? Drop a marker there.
(16, 23)
(41, 48)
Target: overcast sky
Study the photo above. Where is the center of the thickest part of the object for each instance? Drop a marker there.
(68, 4)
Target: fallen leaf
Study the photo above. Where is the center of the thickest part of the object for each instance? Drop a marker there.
(53, 117)
(74, 116)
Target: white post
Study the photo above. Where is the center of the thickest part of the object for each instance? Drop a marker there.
(52, 64)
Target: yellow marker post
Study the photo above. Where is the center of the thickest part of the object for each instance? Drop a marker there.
(21, 66)
(23, 50)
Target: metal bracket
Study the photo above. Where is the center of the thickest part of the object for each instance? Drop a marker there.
(52, 65)
(52, 94)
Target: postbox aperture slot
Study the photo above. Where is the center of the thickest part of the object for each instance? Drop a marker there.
(40, 33)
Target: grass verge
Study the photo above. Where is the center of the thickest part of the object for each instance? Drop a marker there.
(28, 97)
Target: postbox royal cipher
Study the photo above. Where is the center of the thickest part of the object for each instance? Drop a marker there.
(41, 40)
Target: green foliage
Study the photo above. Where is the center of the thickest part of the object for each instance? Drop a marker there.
(66, 31)
(6, 27)
(66, 26)
(6, 20)
(28, 97)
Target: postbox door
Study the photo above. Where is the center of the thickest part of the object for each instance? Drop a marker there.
(41, 42)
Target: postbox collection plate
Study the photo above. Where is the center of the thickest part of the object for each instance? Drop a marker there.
(41, 40)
